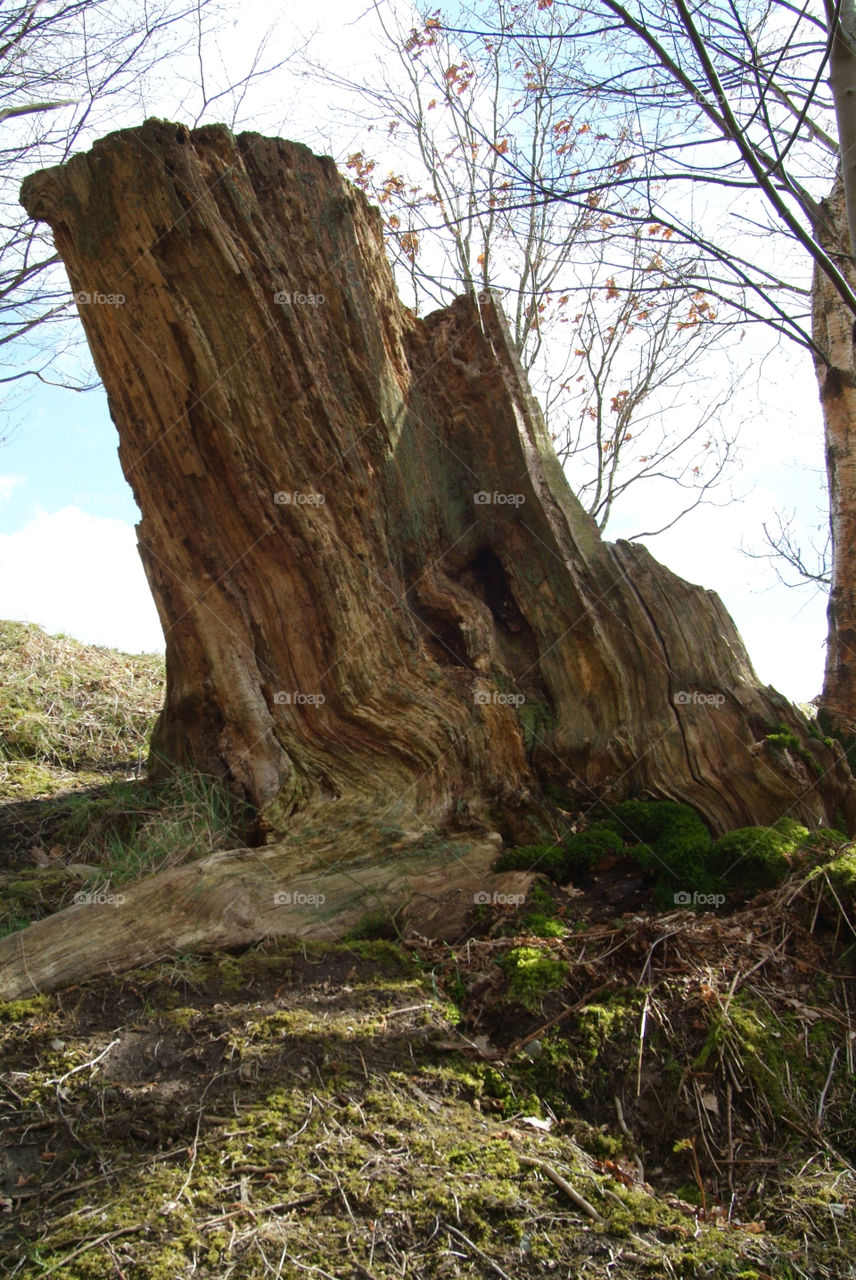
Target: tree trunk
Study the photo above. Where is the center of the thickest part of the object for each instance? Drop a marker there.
(833, 328)
(842, 82)
(378, 592)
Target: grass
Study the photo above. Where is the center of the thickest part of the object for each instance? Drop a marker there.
(75, 725)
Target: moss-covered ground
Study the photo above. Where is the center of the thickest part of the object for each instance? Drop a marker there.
(566, 1091)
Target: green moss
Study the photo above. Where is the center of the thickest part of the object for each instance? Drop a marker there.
(19, 1010)
(545, 926)
(838, 890)
(576, 855)
(537, 722)
(374, 925)
(31, 894)
(824, 841)
(585, 849)
(755, 858)
(795, 831)
(842, 873)
(784, 739)
(668, 839)
(532, 975)
(548, 859)
(540, 899)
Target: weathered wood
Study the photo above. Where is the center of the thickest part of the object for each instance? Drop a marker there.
(385, 637)
(309, 886)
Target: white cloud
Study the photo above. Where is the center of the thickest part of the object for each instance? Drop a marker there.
(82, 575)
(8, 485)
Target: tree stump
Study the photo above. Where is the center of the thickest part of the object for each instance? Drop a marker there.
(378, 591)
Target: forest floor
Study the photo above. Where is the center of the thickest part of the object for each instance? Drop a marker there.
(581, 1086)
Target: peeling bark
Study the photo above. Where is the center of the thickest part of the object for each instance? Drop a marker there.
(384, 638)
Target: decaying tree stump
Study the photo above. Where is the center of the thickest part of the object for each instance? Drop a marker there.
(376, 586)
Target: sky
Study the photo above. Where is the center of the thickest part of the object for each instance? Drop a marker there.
(68, 557)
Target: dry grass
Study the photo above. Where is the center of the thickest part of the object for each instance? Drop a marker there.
(68, 709)
(75, 724)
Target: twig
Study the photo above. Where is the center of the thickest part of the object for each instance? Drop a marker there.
(547, 1026)
(260, 1209)
(622, 1124)
(490, 1262)
(822, 1103)
(563, 1185)
(411, 1008)
(642, 1025)
(92, 1244)
(84, 1065)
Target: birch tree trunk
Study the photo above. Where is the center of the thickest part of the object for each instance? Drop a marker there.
(833, 327)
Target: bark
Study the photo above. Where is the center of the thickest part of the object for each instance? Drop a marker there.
(384, 641)
(833, 334)
(842, 81)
